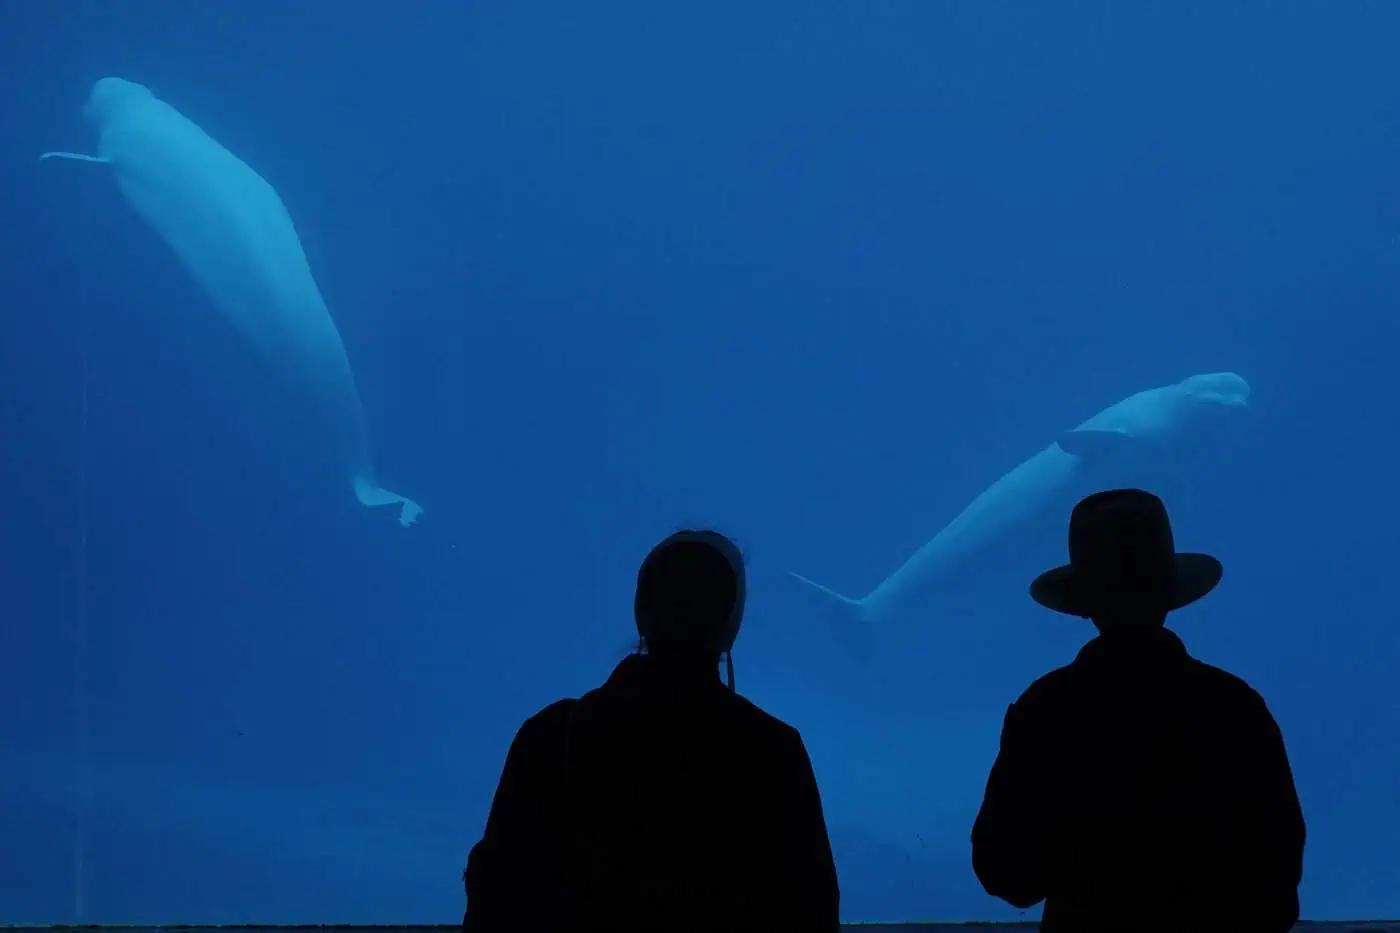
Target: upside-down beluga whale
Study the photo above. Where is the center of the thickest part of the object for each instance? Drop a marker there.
(1140, 434)
(231, 230)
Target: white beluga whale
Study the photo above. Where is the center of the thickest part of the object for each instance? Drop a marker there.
(1137, 441)
(231, 230)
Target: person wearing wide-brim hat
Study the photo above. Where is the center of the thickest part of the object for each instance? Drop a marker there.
(1139, 788)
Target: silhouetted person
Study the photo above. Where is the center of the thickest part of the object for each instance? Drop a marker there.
(661, 800)
(1139, 788)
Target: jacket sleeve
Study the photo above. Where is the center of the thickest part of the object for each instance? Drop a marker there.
(1010, 835)
(1269, 829)
(812, 900)
(514, 876)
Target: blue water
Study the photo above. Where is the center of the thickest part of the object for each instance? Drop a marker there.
(814, 273)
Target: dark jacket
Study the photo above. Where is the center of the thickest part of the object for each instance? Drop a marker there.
(1140, 789)
(659, 801)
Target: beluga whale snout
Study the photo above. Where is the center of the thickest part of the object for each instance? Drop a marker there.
(230, 229)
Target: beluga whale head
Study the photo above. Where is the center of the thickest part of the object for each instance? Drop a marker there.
(108, 94)
(1227, 390)
(1202, 408)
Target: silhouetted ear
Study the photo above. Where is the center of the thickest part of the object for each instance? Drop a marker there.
(1100, 445)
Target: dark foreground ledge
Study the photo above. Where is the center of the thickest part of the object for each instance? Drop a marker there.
(1355, 926)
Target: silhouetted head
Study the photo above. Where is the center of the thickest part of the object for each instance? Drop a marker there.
(1124, 569)
(690, 597)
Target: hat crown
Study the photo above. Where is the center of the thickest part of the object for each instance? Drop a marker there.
(1123, 540)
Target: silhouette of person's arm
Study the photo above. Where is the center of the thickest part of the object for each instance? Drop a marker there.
(1010, 837)
(515, 874)
(807, 876)
(1267, 824)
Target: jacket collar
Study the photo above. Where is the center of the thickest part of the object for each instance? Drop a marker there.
(1157, 644)
(646, 674)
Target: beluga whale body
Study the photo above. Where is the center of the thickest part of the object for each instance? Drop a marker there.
(231, 230)
(1144, 435)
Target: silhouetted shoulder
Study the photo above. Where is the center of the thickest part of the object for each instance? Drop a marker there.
(766, 738)
(1047, 687)
(542, 726)
(551, 713)
(1211, 687)
(1221, 679)
(1227, 687)
(763, 723)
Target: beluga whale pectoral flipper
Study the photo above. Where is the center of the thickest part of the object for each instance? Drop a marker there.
(231, 230)
(1137, 436)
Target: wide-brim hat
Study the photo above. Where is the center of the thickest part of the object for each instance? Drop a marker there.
(1121, 549)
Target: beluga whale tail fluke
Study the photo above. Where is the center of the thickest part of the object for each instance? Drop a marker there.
(230, 229)
(373, 496)
(847, 604)
(850, 617)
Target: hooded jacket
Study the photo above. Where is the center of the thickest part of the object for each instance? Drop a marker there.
(659, 801)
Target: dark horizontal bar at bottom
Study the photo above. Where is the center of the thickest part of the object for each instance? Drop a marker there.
(1337, 926)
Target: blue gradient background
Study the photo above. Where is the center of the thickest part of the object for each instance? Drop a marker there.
(815, 273)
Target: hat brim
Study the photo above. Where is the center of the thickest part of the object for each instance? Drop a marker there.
(1062, 590)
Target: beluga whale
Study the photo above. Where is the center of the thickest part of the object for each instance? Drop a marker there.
(230, 229)
(1140, 440)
